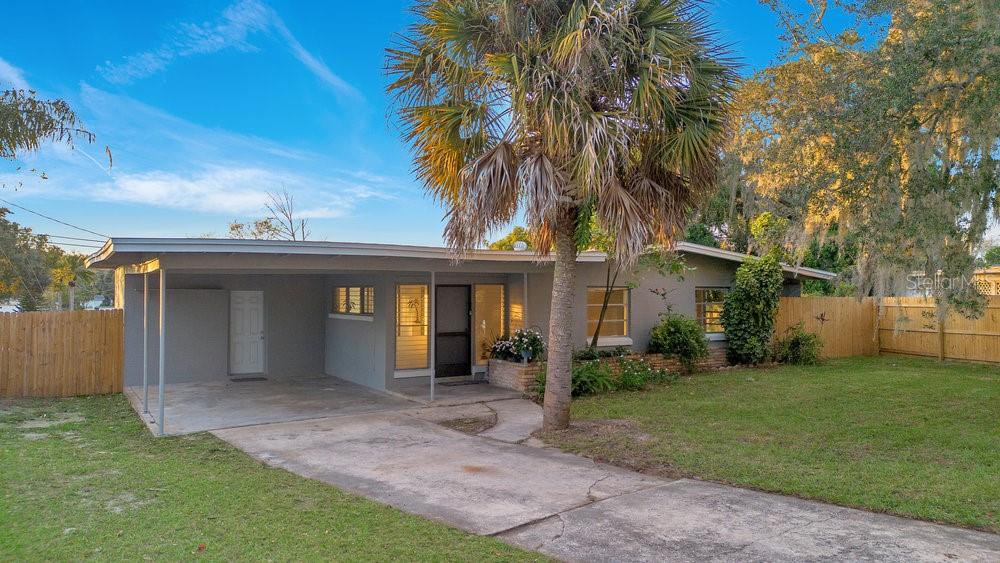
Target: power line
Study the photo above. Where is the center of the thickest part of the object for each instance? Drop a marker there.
(71, 238)
(77, 244)
(54, 219)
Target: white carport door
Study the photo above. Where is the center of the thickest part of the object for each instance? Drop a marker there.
(246, 332)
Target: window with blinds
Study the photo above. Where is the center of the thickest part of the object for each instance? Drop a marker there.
(708, 302)
(412, 326)
(489, 318)
(615, 318)
(354, 300)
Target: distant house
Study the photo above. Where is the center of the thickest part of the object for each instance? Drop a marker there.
(10, 306)
(95, 303)
(375, 314)
(987, 280)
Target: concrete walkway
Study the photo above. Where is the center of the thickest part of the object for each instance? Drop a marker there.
(574, 509)
(516, 420)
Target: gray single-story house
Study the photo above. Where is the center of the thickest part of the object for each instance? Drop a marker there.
(389, 317)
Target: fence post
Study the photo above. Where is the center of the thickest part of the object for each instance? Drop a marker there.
(28, 332)
(941, 321)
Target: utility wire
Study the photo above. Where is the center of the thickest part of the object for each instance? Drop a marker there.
(77, 244)
(71, 238)
(54, 219)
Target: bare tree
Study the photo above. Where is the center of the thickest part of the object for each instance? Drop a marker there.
(280, 224)
(282, 210)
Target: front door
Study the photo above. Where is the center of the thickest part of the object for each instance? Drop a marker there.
(246, 332)
(453, 330)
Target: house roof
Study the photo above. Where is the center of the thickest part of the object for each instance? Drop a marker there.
(120, 251)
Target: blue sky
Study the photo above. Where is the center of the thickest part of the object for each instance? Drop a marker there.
(208, 105)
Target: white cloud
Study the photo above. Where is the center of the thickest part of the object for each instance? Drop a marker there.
(233, 30)
(12, 77)
(164, 162)
(233, 191)
(315, 65)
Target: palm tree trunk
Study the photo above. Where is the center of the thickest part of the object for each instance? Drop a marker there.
(560, 357)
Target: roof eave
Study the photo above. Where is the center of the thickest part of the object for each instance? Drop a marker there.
(155, 246)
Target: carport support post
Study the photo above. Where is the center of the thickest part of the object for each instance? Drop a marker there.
(145, 343)
(433, 300)
(163, 349)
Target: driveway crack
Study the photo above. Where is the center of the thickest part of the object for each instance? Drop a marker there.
(562, 530)
(590, 490)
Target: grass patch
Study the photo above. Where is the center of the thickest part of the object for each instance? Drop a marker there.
(82, 478)
(907, 436)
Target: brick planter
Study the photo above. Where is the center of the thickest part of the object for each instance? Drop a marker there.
(716, 359)
(521, 377)
(513, 375)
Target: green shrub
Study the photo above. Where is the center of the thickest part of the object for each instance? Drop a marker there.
(677, 336)
(798, 347)
(595, 377)
(663, 376)
(540, 383)
(635, 373)
(589, 378)
(592, 378)
(586, 354)
(591, 353)
(749, 310)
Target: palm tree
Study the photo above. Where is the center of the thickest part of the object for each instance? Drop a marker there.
(70, 270)
(568, 110)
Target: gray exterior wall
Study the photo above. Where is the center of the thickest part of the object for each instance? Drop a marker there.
(644, 306)
(356, 348)
(197, 329)
(303, 339)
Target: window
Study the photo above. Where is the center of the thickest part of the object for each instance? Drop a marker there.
(708, 303)
(412, 328)
(355, 300)
(615, 318)
(489, 319)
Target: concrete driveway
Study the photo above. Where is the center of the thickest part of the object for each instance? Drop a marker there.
(573, 509)
(479, 485)
(197, 407)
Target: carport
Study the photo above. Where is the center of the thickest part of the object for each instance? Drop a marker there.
(268, 331)
(213, 405)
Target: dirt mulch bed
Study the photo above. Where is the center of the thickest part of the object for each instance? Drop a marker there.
(471, 426)
(614, 441)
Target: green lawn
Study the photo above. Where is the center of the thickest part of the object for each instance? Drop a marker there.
(907, 436)
(96, 485)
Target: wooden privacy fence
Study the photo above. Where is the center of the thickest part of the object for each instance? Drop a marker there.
(909, 325)
(846, 325)
(61, 354)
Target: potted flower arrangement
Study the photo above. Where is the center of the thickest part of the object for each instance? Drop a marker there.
(523, 346)
(515, 360)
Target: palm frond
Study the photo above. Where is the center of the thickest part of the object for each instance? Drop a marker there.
(563, 108)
